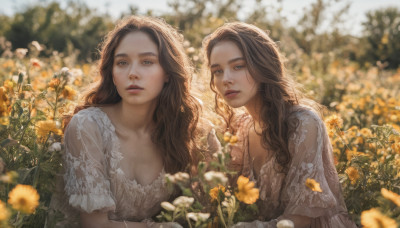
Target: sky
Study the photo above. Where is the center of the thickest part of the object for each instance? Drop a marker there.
(291, 9)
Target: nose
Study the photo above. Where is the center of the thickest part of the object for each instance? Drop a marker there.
(227, 78)
(133, 73)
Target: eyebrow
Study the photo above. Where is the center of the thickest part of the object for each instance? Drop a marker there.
(229, 62)
(140, 54)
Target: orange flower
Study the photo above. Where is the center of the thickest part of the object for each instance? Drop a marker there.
(247, 193)
(395, 198)
(373, 218)
(54, 82)
(313, 185)
(215, 191)
(333, 122)
(4, 212)
(227, 136)
(44, 127)
(353, 174)
(24, 198)
(68, 93)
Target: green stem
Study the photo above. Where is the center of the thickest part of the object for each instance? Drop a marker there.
(188, 220)
(221, 216)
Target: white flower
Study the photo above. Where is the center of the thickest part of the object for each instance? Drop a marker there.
(183, 201)
(219, 177)
(180, 176)
(169, 177)
(168, 206)
(64, 70)
(198, 216)
(190, 50)
(37, 45)
(192, 216)
(75, 73)
(55, 147)
(229, 202)
(285, 224)
(21, 52)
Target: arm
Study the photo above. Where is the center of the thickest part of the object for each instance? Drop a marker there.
(87, 185)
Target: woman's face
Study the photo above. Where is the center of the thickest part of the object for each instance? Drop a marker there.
(231, 76)
(137, 73)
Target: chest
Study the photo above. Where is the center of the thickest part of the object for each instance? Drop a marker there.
(257, 153)
(142, 159)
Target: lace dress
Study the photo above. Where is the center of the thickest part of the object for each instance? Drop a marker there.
(93, 179)
(284, 195)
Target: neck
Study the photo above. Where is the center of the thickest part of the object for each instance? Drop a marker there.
(253, 107)
(136, 117)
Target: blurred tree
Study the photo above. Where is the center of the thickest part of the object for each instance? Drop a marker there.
(382, 34)
(4, 25)
(65, 30)
(198, 18)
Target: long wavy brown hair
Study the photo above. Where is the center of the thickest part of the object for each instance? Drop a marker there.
(177, 111)
(277, 90)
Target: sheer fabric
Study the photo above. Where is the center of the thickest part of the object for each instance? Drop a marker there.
(282, 196)
(93, 179)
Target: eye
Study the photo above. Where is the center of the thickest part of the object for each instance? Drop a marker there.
(217, 72)
(239, 67)
(147, 62)
(122, 63)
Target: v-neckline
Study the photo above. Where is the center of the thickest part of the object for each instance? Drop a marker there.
(116, 148)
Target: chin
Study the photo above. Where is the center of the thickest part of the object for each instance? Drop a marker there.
(235, 104)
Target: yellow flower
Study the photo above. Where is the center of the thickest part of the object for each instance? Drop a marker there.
(215, 191)
(373, 218)
(247, 193)
(227, 136)
(8, 84)
(395, 198)
(4, 112)
(68, 93)
(353, 174)
(54, 82)
(366, 132)
(233, 139)
(4, 212)
(353, 153)
(313, 185)
(44, 127)
(24, 198)
(334, 122)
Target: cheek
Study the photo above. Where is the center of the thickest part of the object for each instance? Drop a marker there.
(218, 85)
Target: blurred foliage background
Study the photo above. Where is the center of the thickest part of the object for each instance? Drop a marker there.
(356, 77)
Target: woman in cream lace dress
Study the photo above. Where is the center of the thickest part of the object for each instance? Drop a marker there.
(137, 124)
(283, 141)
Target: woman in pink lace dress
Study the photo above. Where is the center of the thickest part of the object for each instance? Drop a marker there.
(283, 141)
(136, 125)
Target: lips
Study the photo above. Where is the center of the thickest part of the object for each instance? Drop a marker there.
(231, 93)
(134, 87)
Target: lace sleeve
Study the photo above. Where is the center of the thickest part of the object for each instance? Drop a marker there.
(311, 158)
(86, 183)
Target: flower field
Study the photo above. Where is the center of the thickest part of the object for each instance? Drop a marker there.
(362, 116)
